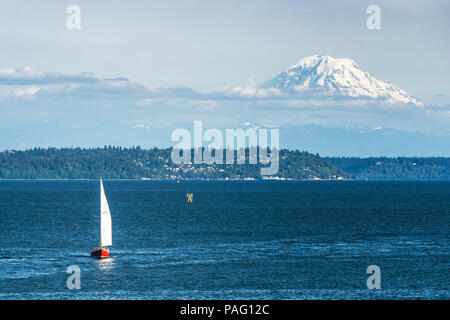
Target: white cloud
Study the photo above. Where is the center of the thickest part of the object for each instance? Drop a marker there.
(27, 76)
(123, 100)
(141, 126)
(30, 91)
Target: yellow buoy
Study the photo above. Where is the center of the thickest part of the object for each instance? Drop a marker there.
(189, 197)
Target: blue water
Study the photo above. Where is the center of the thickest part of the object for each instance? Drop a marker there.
(239, 240)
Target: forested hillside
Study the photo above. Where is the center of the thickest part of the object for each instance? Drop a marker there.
(137, 163)
(401, 168)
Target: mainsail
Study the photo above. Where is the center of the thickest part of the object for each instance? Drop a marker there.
(105, 219)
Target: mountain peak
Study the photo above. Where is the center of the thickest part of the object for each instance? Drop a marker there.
(326, 60)
(340, 76)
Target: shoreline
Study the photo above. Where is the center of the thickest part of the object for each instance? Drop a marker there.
(147, 179)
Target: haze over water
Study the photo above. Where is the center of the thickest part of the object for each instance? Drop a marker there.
(238, 240)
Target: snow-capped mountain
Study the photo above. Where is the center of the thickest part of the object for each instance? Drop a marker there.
(336, 76)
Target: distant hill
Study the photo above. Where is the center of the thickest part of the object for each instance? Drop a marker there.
(136, 163)
(400, 168)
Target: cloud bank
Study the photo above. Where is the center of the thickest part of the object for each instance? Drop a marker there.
(29, 76)
(84, 103)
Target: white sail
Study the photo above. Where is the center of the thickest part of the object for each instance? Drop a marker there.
(105, 219)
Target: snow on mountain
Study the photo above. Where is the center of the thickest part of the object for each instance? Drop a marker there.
(336, 76)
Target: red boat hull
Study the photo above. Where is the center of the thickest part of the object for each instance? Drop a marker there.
(100, 254)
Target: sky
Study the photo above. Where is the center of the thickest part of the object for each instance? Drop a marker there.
(206, 46)
(210, 44)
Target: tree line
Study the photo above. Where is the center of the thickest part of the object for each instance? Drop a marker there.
(111, 162)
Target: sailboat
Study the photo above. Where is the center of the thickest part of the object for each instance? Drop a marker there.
(102, 251)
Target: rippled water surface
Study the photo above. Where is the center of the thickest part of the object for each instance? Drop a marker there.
(238, 240)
